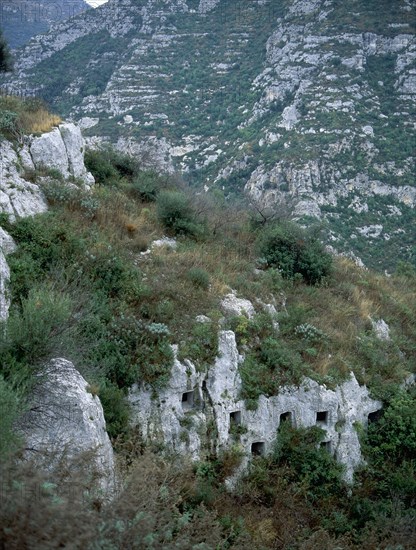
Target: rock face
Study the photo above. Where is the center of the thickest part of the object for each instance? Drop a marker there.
(303, 101)
(7, 245)
(198, 412)
(231, 305)
(62, 149)
(64, 422)
(22, 20)
(18, 197)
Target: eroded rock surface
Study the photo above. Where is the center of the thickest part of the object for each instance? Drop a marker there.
(7, 245)
(64, 422)
(198, 412)
(61, 149)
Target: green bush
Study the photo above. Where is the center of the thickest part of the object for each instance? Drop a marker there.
(112, 273)
(116, 409)
(266, 368)
(100, 165)
(10, 406)
(44, 243)
(294, 252)
(175, 212)
(130, 351)
(198, 277)
(146, 186)
(109, 166)
(202, 346)
(38, 329)
(392, 439)
(390, 450)
(9, 124)
(309, 465)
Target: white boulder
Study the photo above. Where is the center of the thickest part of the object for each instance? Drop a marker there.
(65, 422)
(48, 151)
(233, 306)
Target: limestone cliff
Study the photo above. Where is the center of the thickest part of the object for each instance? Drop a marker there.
(200, 413)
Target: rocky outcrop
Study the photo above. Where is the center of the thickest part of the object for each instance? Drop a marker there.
(233, 306)
(61, 149)
(7, 245)
(199, 412)
(18, 197)
(65, 423)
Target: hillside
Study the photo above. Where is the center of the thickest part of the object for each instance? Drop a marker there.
(20, 21)
(239, 366)
(309, 102)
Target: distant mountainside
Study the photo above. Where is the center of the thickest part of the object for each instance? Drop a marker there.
(20, 20)
(311, 102)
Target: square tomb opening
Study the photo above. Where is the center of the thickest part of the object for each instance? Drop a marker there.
(258, 448)
(326, 445)
(285, 417)
(374, 416)
(187, 400)
(322, 417)
(235, 418)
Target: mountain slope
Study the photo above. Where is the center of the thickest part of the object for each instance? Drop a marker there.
(23, 20)
(311, 101)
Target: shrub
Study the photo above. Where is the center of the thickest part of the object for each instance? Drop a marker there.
(109, 167)
(112, 273)
(268, 367)
(116, 409)
(310, 466)
(10, 405)
(198, 277)
(44, 243)
(130, 351)
(36, 331)
(393, 438)
(294, 252)
(174, 211)
(146, 186)
(9, 125)
(101, 167)
(202, 346)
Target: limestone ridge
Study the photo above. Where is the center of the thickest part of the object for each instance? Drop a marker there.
(181, 415)
(309, 101)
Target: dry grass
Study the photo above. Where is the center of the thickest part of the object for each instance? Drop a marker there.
(33, 117)
(39, 122)
(342, 308)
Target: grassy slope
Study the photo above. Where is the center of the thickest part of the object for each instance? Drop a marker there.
(82, 289)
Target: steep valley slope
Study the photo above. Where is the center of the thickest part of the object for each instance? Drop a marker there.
(305, 102)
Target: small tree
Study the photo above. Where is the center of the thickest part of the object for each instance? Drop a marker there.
(294, 251)
(175, 212)
(6, 61)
